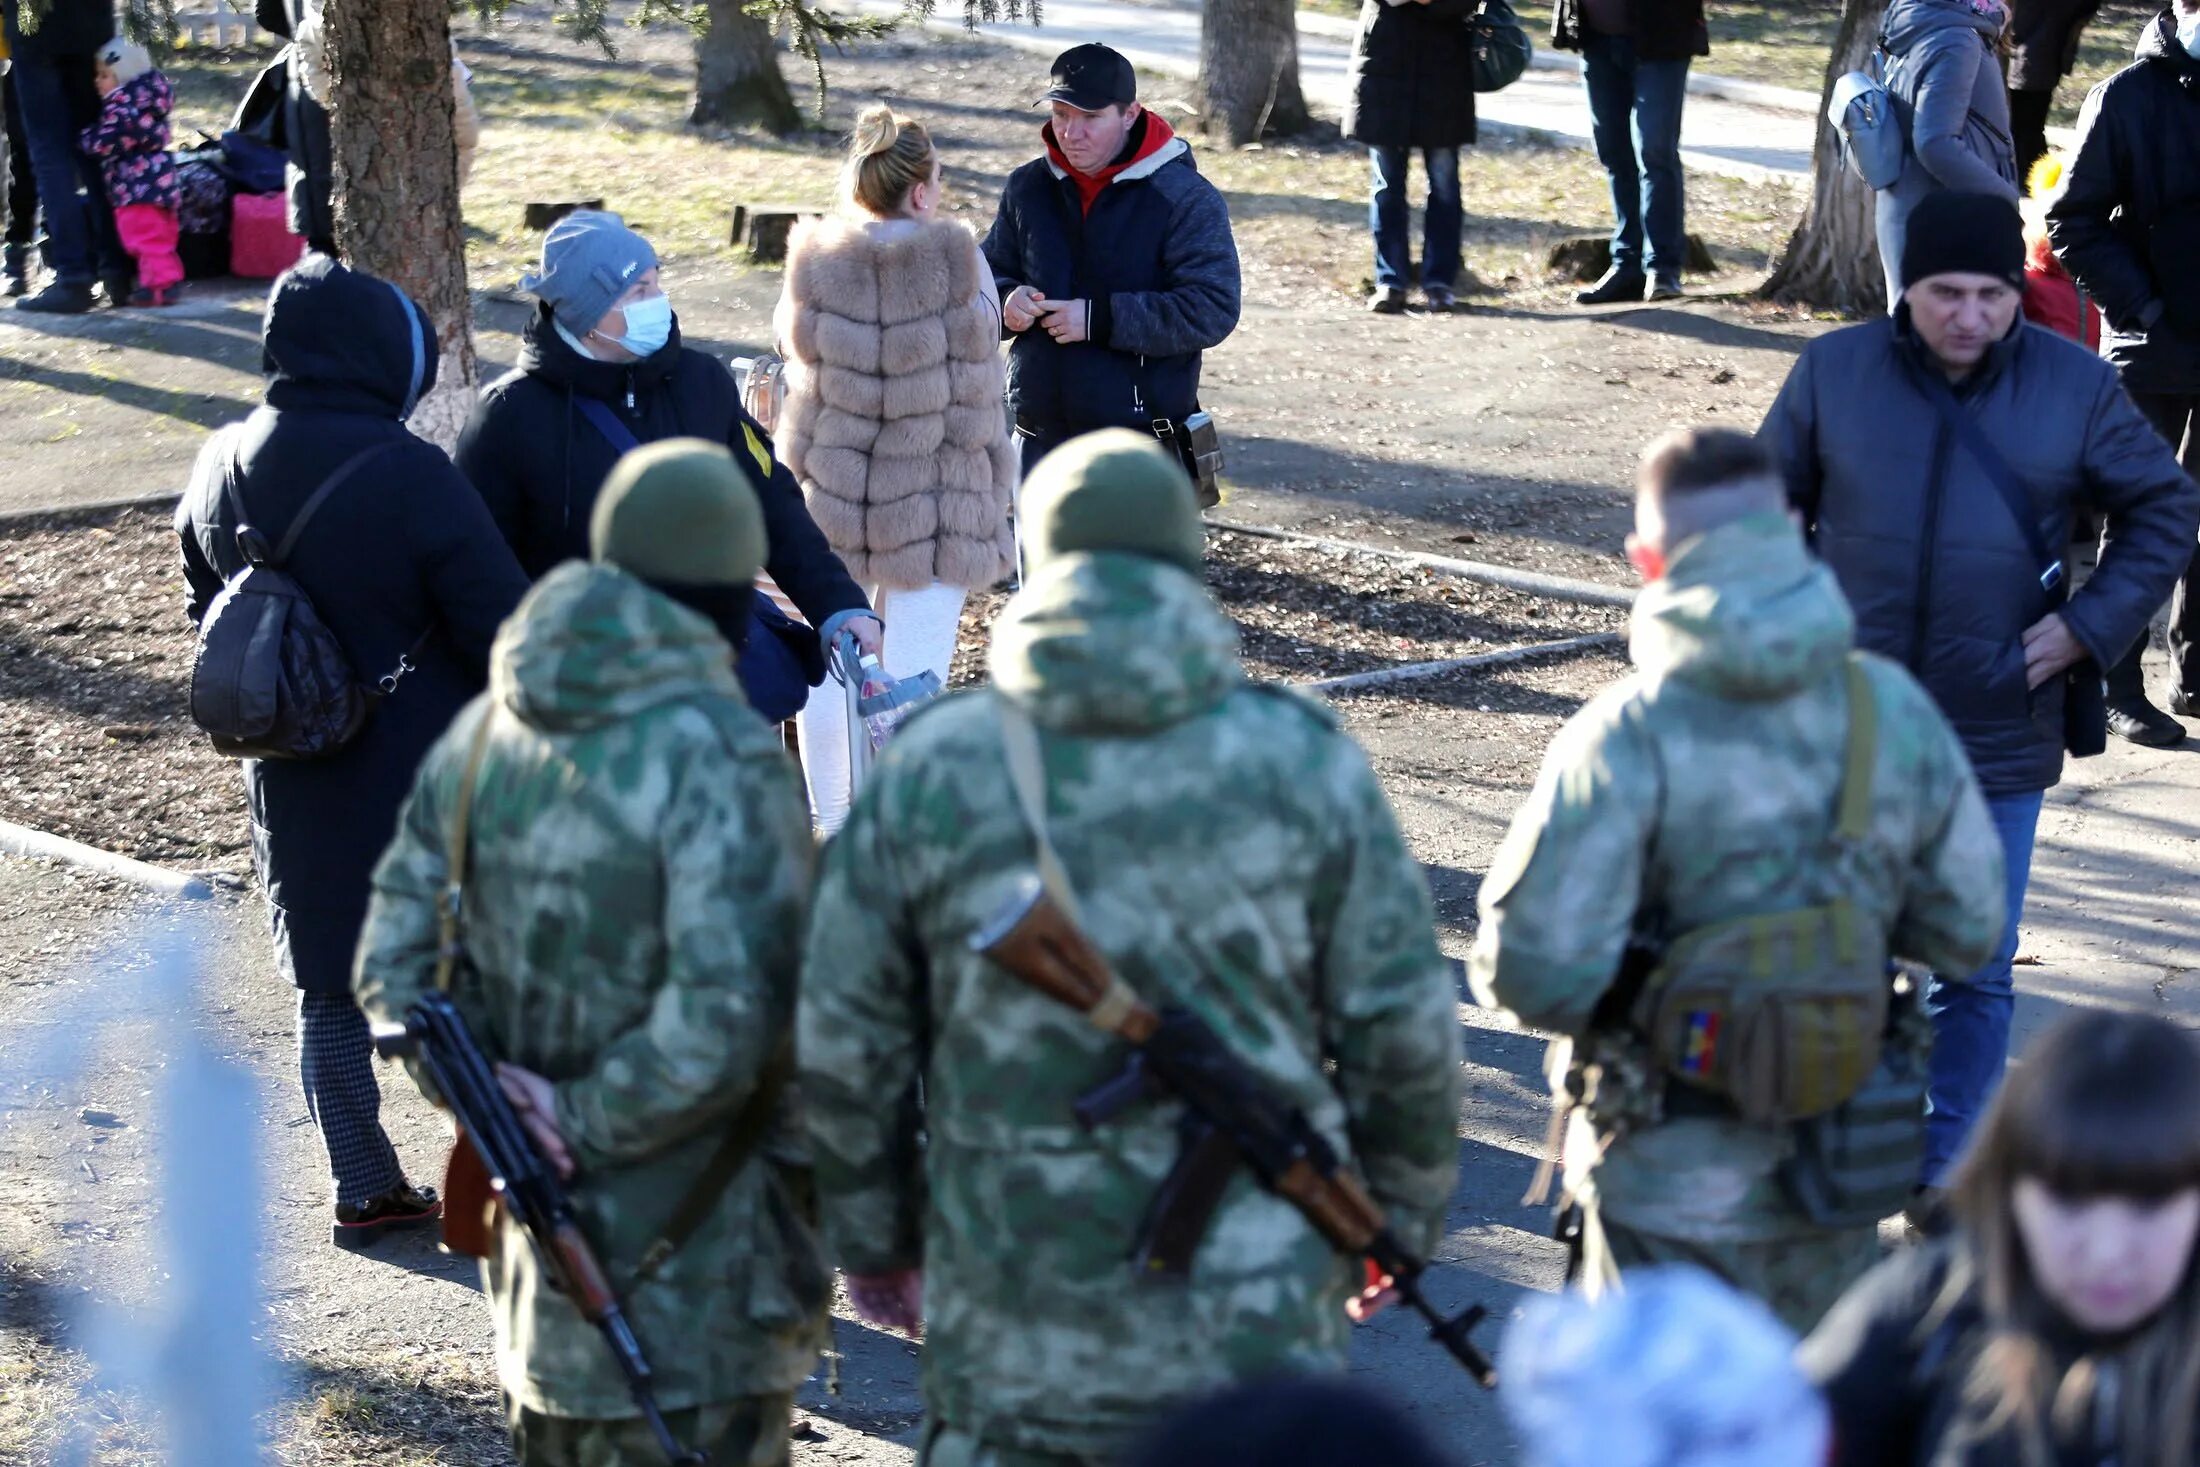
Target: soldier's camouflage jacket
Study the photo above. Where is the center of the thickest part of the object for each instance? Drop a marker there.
(1704, 786)
(1232, 852)
(640, 878)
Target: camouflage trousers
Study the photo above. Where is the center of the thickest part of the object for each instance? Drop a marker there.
(748, 1431)
(1799, 1276)
(946, 1447)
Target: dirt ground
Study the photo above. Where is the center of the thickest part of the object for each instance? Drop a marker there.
(1503, 433)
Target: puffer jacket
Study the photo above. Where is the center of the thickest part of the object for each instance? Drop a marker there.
(1412, 75)
(1937, 569)
(130, 140)
(1948, 96)
(402, 563)
(1275, 900)
(1153, 255)
(539, 462)
(641, 863)
(2128, 224)
(1701, 789)
(892, 422)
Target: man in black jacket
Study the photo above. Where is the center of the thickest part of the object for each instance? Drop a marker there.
(1905, 443)
(1635, 56)
(1115, 263)
(603, 358)
(2127, 228)
(2043, 38)
(51, 77)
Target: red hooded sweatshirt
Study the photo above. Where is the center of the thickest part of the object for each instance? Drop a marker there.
(1156, 135)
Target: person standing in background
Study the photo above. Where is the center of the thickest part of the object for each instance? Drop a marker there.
(892, 422)
(1635, 56)
(21, 201)
(1412, 70)
(2043, 41)
(130, 140)
(51, 45)
(2127, 227)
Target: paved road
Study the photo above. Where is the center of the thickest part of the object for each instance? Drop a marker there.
(1718, 135)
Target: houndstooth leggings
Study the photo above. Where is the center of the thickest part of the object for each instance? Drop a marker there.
(336, 1070)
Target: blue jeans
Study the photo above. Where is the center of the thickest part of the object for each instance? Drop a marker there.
(1635, 119)
(57, 100)
(1392, 221)
(1971, 1020)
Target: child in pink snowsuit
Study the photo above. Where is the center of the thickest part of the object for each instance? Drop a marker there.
(130, 140)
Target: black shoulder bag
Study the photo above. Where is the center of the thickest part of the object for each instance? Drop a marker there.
(2085, 701)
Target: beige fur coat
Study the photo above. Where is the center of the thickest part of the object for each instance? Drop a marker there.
(893, 420)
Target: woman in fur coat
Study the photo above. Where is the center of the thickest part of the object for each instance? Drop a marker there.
(893, 420)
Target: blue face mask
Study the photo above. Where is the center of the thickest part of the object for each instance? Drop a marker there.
(648, 326)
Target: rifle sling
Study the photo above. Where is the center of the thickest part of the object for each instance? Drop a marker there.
(456, 854)
(750, 1125)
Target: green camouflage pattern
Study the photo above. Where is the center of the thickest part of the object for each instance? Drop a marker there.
(1232, 852)
(641, 869)
(1704, 785)
(752, 1431)
(1800, 1276)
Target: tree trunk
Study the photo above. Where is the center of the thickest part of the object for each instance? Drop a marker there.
(396, 178)
(737, 77)
(1832, 259)
(1249, 69)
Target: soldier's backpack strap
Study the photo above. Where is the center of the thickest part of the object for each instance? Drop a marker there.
(1854, 821)
(458, 851)
(750, 1126)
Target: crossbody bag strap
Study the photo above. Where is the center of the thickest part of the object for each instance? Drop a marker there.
(750, 1125)
(615, 431)
(2006, 483)
(457, 853)
(319, 497)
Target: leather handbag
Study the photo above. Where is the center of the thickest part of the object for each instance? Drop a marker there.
(1502, 49)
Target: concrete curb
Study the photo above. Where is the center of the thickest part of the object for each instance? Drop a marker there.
(1533, 583)
(21, 840)
(1384, 676)
(12, 517)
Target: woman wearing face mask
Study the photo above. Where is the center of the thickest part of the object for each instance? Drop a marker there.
(602, 369)
(893, 423)
(2059, 1326)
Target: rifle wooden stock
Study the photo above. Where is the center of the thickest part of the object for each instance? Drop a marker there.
(1033, 939)
(469, 1201)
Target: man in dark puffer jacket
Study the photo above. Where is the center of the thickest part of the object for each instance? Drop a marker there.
(1115, 264)
(2127, 228)
(1941, 574)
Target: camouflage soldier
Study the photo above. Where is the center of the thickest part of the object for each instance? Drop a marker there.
(1720, 856)
(640, 871)
(1233, 853)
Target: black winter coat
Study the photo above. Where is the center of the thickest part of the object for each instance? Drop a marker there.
(1894, 1360)
(1664, 30)
(539, 463)
(1412, 75)
(2127, 226)
(2044, 36)
(1936, 568)
(404, 548)
(73, 28)
(312, 172)
(1156, 258)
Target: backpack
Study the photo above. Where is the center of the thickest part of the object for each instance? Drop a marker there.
(1873, 139)
(268, 679)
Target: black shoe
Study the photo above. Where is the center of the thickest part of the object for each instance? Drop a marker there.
(2144, 724)
(59, 300)
(1388, 300)
(118, 288)
(2183, 706)
(1617, 285)
(1439, 298)
(361, 1224)
(15, 269)
(1666, 288)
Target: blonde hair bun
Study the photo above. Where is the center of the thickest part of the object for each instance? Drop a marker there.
(888, 155)
(876, 131)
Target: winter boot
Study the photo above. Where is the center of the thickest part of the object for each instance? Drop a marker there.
(58, 299)
(362, 1224)
(15, 270)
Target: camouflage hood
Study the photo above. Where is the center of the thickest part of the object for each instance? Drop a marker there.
(1114, 644)
(1743, 612)
(592, 645)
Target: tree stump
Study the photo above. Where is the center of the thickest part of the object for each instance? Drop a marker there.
(1586, 257)
(540, 214)
(763, 229)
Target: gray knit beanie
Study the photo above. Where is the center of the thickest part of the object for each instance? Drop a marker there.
(589, 260)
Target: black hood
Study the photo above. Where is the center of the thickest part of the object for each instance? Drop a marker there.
(343, 341)
(544, 353)
(2158, 42)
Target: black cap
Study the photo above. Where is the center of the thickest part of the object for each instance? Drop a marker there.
(1958, 233)
(1092, 78)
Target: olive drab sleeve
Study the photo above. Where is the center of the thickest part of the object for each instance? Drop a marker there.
(862, 1010)
(1390, 1008)
(736, 900)
(1559, 899)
